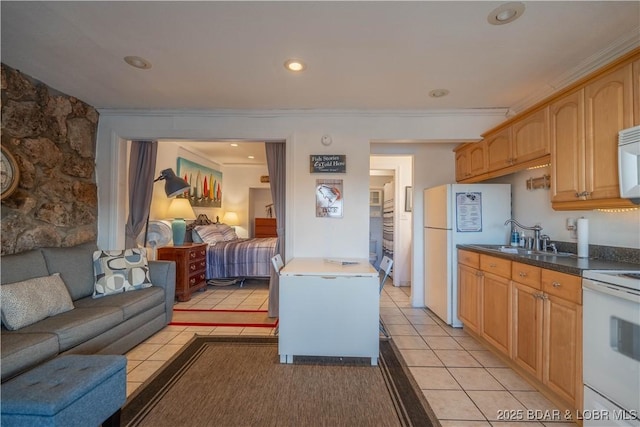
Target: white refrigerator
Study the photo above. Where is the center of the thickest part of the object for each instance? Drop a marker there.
(459, 214)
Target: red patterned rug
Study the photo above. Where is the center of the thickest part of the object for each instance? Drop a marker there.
(244, 318)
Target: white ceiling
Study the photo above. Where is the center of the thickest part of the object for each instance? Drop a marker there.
(360, 55)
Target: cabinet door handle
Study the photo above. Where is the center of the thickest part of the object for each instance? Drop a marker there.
(479, 274)
(522, 274)
(556, 284)
(493, 265)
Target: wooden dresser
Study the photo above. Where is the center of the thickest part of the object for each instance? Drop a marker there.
(265, 227)
(191, 267)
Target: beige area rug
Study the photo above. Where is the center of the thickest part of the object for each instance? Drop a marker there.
(246, 318)
(239, 381)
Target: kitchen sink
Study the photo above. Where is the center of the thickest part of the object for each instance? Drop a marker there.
(524, 252)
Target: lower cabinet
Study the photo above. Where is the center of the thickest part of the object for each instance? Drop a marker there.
(469, 288)
(534, 317)
(562, 346)
(527, 329)
(496, 311)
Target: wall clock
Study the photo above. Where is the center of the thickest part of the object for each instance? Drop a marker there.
(9, 172)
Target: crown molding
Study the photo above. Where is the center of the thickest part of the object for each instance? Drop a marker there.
(618, 48)
(465, 112)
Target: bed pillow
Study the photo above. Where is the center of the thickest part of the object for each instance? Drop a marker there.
(120, 271)
(214, 233)
(29, 301)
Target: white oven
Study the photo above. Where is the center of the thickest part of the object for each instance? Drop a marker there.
(611, 348)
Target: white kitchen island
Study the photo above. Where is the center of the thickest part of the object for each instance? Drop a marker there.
(328, 309)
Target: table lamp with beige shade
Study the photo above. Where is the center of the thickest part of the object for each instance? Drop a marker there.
(180, 210)
(230, 218)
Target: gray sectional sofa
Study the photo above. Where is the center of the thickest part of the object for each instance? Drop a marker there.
(109, 325)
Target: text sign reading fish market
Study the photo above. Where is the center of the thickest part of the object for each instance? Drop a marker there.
(328, 163)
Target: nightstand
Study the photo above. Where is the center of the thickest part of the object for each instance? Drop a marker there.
(191, 267)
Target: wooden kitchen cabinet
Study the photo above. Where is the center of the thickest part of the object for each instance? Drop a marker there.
(495, 324)
(527, 318)
(584, 141)
(531, 314)
(470, 162)
(191, 267)
(636, 93)
(498, 149)
(469, 289)
(608, 109)
(516, 145)
(566, 121)
(530, 136)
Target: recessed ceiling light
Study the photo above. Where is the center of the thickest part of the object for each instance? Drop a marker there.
(295, 65)
(506, 13)
(137, 62)
(251, 157)
(438, 93)
(233, 144)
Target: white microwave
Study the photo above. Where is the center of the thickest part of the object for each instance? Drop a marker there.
(629, 162)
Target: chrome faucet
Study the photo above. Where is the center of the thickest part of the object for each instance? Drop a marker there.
(537, 243)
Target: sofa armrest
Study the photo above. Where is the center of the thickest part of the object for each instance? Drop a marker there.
(163, 274)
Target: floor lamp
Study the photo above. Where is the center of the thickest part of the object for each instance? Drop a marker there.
(173, 185)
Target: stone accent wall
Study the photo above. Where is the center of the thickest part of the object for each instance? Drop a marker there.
(52, 137)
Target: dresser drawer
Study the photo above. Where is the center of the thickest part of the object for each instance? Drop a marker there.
(526, 274)
(471, 259)
(196, 279)
(197, 253)
(562, 285)
(497, 266)
(198, 265)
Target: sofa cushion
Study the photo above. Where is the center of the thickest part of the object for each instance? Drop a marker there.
(77, 326)
(27, 302)
(23, 266)
(21, 351)
(120, 271)
(75, 265)
(131, 303)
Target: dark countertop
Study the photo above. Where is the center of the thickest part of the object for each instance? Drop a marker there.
(566, 264)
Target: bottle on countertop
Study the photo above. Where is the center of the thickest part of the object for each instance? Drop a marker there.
(515, 237)
(523, 239)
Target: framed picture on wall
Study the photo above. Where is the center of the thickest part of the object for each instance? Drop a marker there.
(206, 184)
(329, 198)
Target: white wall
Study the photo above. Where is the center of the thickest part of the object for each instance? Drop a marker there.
(238, 180)
(352, 133)
(621, 229)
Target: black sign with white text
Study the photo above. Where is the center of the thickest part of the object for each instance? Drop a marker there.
(328, 163)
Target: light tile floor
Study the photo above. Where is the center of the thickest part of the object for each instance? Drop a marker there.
(465, 384)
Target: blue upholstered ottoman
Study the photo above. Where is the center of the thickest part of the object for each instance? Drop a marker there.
(68, 391)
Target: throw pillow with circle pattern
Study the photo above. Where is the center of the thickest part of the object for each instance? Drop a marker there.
(118, 271)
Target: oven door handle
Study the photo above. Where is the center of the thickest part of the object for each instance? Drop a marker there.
(612, 290)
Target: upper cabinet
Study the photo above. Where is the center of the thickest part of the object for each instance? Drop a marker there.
(530, 136)
(498, 149)
(576, 130)
(470, 162)
(584, 141)
(636, 93)
(521, 144)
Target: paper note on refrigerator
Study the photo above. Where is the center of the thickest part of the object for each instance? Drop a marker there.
(469, 212)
